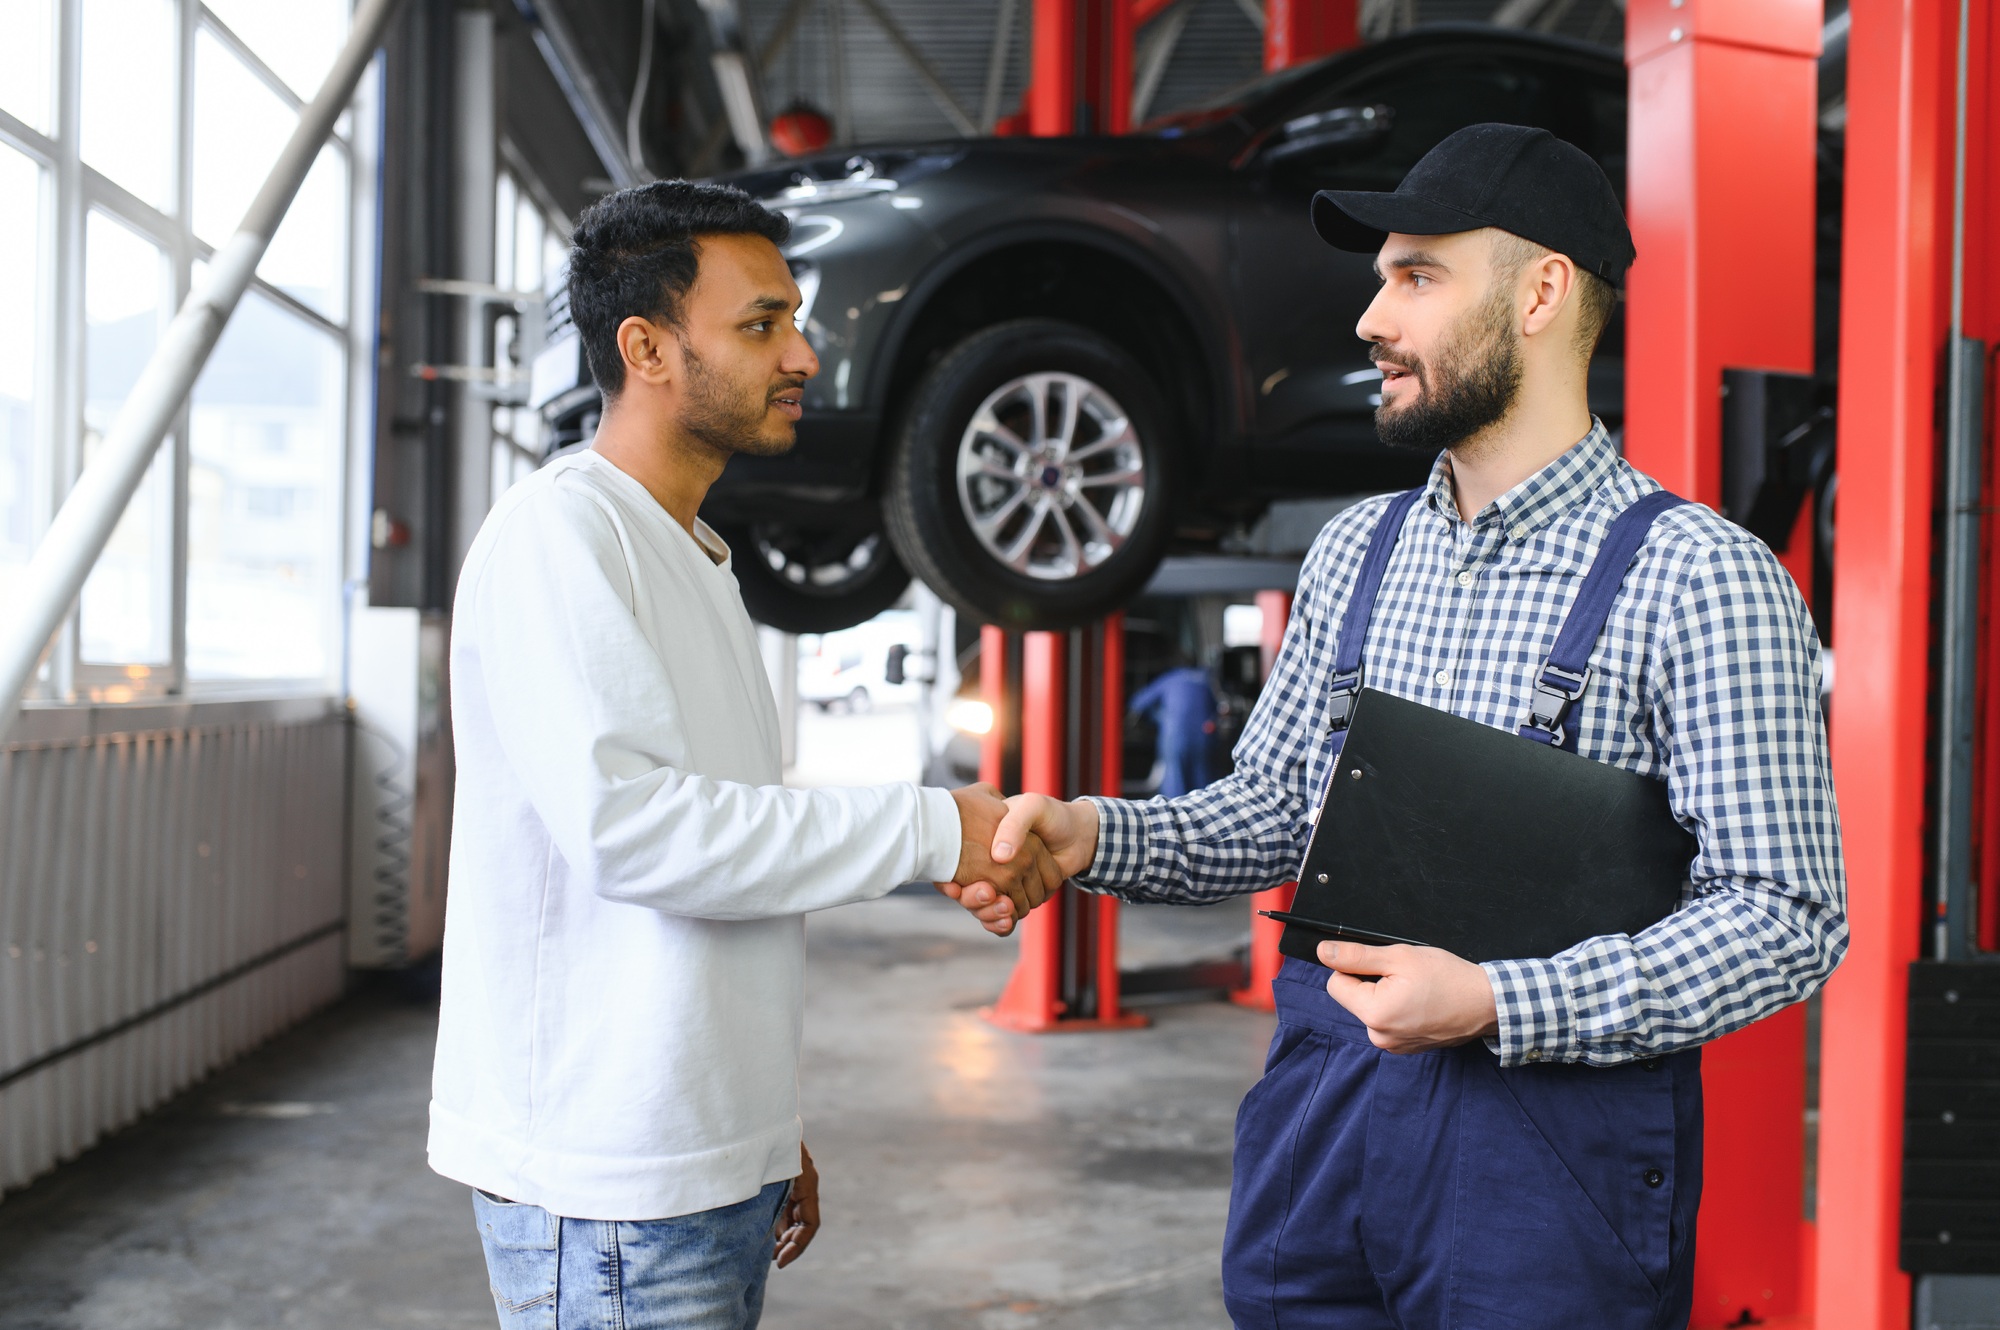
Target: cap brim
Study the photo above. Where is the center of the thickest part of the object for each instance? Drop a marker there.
(1360, 220)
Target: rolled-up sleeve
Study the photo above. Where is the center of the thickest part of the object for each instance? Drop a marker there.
(1247, 831)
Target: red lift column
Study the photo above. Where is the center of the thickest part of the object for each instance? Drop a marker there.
(1081, 78)
(1895, 266)
(1071, 714)
(1720, 194)
(1070, 704)
(1262, 965)
(1296, 31)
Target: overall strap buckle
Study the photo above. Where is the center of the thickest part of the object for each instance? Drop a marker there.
(1556, 691)
(1340, 697)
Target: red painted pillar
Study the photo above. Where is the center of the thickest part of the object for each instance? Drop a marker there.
(1264, 959)
(1296, 31)
(1081, 67)
(1895, 263)
(1066, 977)
(1720, 193)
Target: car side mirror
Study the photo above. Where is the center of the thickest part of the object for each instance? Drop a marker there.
(1334, 132)
(893, 670)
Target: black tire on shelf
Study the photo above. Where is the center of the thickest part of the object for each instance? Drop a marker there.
(801, 578)
(1077, 566)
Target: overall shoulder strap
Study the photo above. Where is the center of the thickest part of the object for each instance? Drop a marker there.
(1346, 683)
(1565, 675)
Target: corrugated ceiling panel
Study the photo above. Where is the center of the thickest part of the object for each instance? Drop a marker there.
(1220, 49)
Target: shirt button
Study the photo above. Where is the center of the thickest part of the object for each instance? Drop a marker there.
(1519, 533)
(1465, 579)
(1441, 678)
(1654, 1177)
(1534, 1055)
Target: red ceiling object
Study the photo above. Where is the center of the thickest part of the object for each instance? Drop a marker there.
(800, 130)
(1895, 311)
(1720, 194)
(1296, 31)
(1081, 58)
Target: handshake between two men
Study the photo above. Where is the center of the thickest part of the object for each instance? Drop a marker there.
(1015, 853)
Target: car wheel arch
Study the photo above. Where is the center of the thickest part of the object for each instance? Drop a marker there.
(899, 364)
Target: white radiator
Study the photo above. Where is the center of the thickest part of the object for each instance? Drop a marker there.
(169, 897)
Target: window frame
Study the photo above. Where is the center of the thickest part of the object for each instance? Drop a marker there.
(71, 190)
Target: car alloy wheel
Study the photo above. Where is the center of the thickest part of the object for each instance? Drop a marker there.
(1051, 475)
(807, 565)
(811, 575)
(1031, 481)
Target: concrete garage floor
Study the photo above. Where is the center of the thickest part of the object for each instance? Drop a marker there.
(973, 1178)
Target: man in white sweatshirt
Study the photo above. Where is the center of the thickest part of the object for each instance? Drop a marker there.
(617, 1065)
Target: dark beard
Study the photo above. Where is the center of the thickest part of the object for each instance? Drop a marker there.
(1472, 385)
(724, 418)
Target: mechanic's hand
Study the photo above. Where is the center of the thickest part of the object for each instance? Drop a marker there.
(1069, 830)
(1424, 998)
(798, 1221)
(997, 893)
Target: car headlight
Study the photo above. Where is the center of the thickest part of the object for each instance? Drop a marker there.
(969, 715)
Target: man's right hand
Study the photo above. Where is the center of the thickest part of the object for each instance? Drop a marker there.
(1027, 878)
(1069, 830)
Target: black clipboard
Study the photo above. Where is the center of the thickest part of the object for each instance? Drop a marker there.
(1442, 831)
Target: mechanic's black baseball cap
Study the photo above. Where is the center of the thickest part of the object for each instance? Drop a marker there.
(1518, 179)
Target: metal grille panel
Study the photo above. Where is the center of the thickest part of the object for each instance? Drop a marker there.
(167, 900)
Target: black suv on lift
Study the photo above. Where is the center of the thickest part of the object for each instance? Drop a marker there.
(1044, 362)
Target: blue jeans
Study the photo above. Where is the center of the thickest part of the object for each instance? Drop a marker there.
(702, 1271)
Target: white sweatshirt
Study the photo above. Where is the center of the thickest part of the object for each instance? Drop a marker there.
(624, 940)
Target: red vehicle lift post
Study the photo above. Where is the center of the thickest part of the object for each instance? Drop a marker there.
(1061, 696)
(1066, 694)
(1264, 960)
(1896, 264)
(1720, 193)
(1296, 31)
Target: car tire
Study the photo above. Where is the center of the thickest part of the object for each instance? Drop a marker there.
(859, 703)
(971, 472)
(802, 578)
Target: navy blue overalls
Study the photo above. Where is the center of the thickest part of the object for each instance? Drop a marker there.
(1442, 1191)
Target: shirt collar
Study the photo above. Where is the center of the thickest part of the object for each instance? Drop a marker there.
(1542, 497)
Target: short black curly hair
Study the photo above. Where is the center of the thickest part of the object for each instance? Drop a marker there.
(634, 253)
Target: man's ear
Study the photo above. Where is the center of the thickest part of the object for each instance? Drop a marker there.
(1551, 288)
(651, 353)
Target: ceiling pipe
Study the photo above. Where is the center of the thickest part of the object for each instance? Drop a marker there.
(601, 125)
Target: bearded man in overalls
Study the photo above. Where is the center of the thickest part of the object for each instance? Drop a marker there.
(1434, 1143)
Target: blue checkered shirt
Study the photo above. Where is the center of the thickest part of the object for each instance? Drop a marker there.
(1706, 676)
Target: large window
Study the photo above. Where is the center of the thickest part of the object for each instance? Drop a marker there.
(133, 135)
(530, 246)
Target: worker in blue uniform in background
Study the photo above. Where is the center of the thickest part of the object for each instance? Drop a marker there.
(1181, 704)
